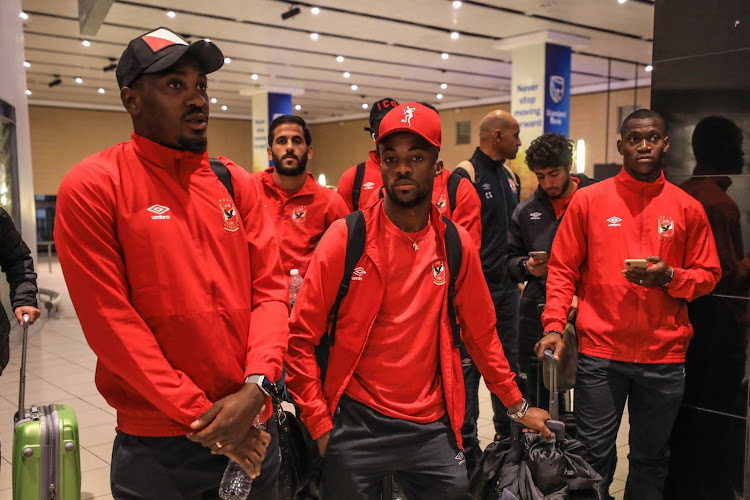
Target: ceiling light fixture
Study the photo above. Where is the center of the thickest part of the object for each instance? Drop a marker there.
(55, 81)
(111, 66)
(298, 107)
(444, 55)
(26, 64)
(254, 76)
(455, 35)
(443, 86)
(86, 43)
(649, 68)
(347, 74)
(340, 59)
(315, 11)
(439, 96)
(224, 107)
(365, 105)
(101, 90)
(79, 80)
(207, 40)
(23, 15)
(227, 60)
(171, 14)
(621, 1)
(354, 87)
(314, 36)
(28, 92)
(456, 4)
(293, 11)
(214, 100)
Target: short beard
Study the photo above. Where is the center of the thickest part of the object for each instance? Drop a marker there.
(564, 190)
(290, 171)
(193, 145)
(406, 204)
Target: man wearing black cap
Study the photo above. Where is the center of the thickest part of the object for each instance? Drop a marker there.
(183, 303)
(360, 184)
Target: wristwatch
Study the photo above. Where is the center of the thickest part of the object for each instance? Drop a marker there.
(671, 276)
(520, 413)
(261, 381)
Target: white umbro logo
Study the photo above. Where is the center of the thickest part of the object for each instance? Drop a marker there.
(358, 273)
(159, 210)
(614, 221)
(536, 215)
(368, 185)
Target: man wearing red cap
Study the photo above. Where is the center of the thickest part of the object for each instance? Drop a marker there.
(183, 303)
(392, 400)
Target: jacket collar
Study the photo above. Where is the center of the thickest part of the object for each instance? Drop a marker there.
(483, 159)
(636, 187)
(308, 187)
(164, 157)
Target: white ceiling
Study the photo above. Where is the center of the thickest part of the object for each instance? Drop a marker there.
(391, 48)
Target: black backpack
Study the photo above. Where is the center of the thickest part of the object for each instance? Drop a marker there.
(355, 248)
(222, 172)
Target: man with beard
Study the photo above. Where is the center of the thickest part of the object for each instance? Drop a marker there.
(632, 324)
(392, 400)
(300, 208)
(178, 285)
(532, 229)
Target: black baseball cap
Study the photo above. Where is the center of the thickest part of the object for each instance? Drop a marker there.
(160, 49)
(378, 111)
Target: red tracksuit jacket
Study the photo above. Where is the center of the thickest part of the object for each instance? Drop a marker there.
(300, 218)
(177, 297)
(358, 311)
(622, 218)
(468, 209)
(371, 183)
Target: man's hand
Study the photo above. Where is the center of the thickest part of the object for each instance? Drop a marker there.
(322, 443)
(534, 421)
(551, 340)
(230, 419)
(536, 267)
(657, 274)
(32, 311)
(573, 310)
(249, 453)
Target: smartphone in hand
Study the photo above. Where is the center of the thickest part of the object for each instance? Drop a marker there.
(539, 255)
(636, 264)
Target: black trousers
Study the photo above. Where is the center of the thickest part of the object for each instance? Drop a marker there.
(469, 428)
(654, 393)
(506, 303)
(365, 446)
(175, 468)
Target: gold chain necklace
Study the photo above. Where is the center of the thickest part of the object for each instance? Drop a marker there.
(413, 241)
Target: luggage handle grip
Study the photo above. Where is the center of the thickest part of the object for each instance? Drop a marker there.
(558, 429)
(554, 410)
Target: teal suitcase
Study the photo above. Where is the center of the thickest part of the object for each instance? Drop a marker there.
(46, 453)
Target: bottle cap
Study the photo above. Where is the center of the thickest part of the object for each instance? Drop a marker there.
(294, 272)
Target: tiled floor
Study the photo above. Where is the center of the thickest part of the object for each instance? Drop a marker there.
(60, 369)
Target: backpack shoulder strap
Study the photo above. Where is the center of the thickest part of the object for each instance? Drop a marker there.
(466, 169)
(454, 255)
(222, 172)
(359, 177)
(453, 182)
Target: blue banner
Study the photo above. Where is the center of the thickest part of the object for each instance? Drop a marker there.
(557, 89)
(279, 104)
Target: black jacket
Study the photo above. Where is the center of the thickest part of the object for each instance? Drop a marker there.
(532, 228)
(500, 193)
(16, 263)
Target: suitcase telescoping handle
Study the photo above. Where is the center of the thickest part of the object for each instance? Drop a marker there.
(554, 410)
(22, 382)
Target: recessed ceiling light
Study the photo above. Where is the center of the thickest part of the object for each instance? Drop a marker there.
(23, 16)
(443, 86)
(298, 107)
(207, 40)
(315, 11)
(214, 100)
(314, 36)
(28, 92)
(621, 1)
(455, 35)
(224, 107)
(86, 43)
(171, 14)
(456, 4)
(101, 90)
(439, 96)
(340, 59)
(354, 87)
(227, 60)
(649, 68)
(365, 105)
(26, 64)
(79, 80)
(444, 55)
(347, 74)
(254, 76)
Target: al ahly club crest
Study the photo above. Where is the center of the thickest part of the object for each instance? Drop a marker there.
(666, 227)
(231, 223)
(438, 272)
(299, 214)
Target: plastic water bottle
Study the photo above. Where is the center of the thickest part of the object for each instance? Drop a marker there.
(295, 283)
(235, 483)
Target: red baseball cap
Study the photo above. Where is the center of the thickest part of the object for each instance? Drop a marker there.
(412, 117)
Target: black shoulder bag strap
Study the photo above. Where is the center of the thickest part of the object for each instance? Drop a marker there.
(222, 172)
(454, 255)
(453, 181)
(355, 248)
(359, 177)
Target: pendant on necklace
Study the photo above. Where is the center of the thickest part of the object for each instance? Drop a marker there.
(415, 246)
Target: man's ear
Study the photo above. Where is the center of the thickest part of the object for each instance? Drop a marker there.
(309, 152)
(619, 146)
(268, 151)
(438, 167)
(666, 144)
(131, 101)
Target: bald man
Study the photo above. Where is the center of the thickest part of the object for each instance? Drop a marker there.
(498, 188)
